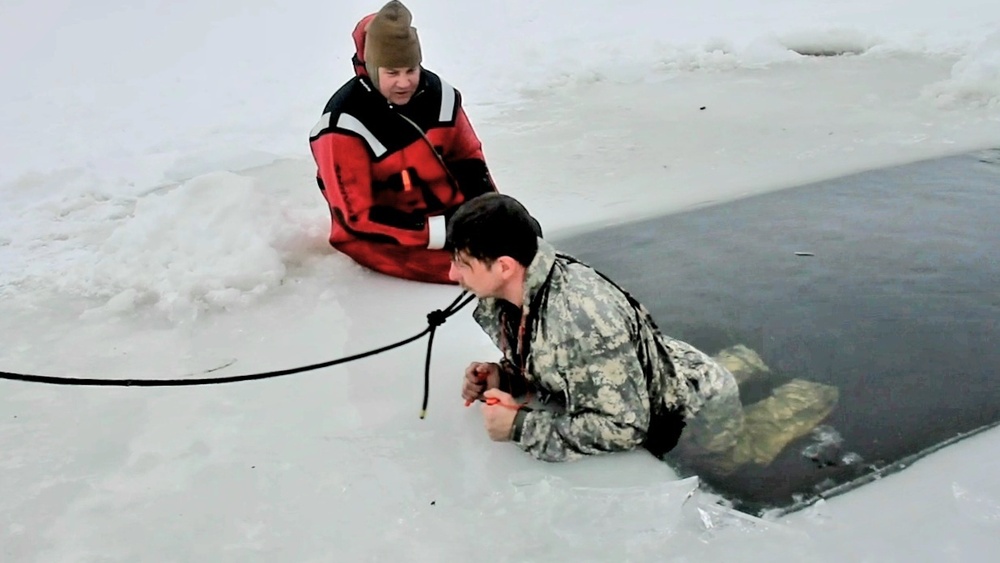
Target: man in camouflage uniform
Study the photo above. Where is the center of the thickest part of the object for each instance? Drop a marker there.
(585, 370)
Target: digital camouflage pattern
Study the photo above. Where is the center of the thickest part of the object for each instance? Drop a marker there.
(597, 373)
(724, 436)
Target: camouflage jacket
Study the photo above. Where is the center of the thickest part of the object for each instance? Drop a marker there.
(599, 374)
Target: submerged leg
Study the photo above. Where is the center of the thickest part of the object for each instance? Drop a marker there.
(725, 435)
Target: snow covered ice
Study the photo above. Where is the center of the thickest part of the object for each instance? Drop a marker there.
(160, 218)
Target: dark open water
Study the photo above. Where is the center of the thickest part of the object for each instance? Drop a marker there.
(899, 307)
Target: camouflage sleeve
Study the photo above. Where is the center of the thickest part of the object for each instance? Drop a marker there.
(607, 401)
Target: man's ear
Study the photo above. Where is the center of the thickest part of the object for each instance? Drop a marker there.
(508, 266)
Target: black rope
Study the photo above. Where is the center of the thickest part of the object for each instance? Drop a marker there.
(434, 319)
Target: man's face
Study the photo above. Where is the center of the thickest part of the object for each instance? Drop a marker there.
(398, 84)
(475, 276)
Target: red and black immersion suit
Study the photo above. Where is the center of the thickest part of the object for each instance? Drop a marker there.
(390, 183)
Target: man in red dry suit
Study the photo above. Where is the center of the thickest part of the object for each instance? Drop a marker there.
(396, 154)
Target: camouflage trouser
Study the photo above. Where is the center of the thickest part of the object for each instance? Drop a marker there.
(724, 435)
(717, 424)
(716, 429)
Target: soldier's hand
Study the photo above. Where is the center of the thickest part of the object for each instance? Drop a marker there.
(479, 377)
(499, 417)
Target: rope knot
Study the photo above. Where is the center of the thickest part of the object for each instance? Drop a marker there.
(436, 318)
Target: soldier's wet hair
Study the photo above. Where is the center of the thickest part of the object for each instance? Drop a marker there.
(493, 225)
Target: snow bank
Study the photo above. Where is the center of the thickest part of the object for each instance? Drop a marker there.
(761, 51)
(216, 241)
(529, 46)
(975, 78)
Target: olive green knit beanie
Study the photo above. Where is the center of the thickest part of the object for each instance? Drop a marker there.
(391, 41)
